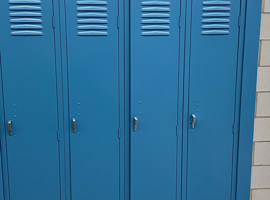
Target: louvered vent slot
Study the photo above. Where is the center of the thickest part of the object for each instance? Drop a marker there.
(25, 18)
(92, 18)
(155, 18)
(216, 18)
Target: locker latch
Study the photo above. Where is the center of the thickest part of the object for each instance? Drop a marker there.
(74, 125)
(135, 124)
(9, 128)
(193, 120)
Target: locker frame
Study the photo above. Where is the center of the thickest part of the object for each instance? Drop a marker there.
(4, 182)
(251, 35)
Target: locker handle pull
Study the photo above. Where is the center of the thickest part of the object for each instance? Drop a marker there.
(9, 128)
(193, 118)
(74, 125)
(135, 124)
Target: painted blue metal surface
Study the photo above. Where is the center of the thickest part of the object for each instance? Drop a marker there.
(94, 98)
(154, 94)
(1, 181)
(248, 94)
(105, 62)
(30, 101)
(213, 64)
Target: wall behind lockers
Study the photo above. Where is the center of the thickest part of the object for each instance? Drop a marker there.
(260, 181)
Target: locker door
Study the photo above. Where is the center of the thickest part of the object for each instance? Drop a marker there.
(213, 65)
(93, 68)
(30, 101)
(154, 91)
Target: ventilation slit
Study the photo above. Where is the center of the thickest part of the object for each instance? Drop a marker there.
(25, 18)
(92, 18)
(216, 17)
(155, 18)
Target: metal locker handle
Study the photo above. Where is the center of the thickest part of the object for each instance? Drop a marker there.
(135, 124)
(193, 117)
(9, 127)
(74, 125)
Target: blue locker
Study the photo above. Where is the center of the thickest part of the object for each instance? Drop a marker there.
(212, 95)
(154, 58)
(94, 98)
(127, 99)
(28, 79)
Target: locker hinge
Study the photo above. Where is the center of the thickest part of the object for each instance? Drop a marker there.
(53, 21)
(118, 22)
(179, 22)
(119, 133)
(176, 130)
(58, 135)
(239, 21)
(235, 129)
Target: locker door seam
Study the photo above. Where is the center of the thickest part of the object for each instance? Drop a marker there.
(53, 22)
(68, 95)
(65, 98)
(238, 84)
(119, 102)
(188, 97)
(5, 135)
(179, 144)
(57, 98)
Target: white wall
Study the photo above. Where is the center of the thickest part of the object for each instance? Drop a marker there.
(260, 181)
